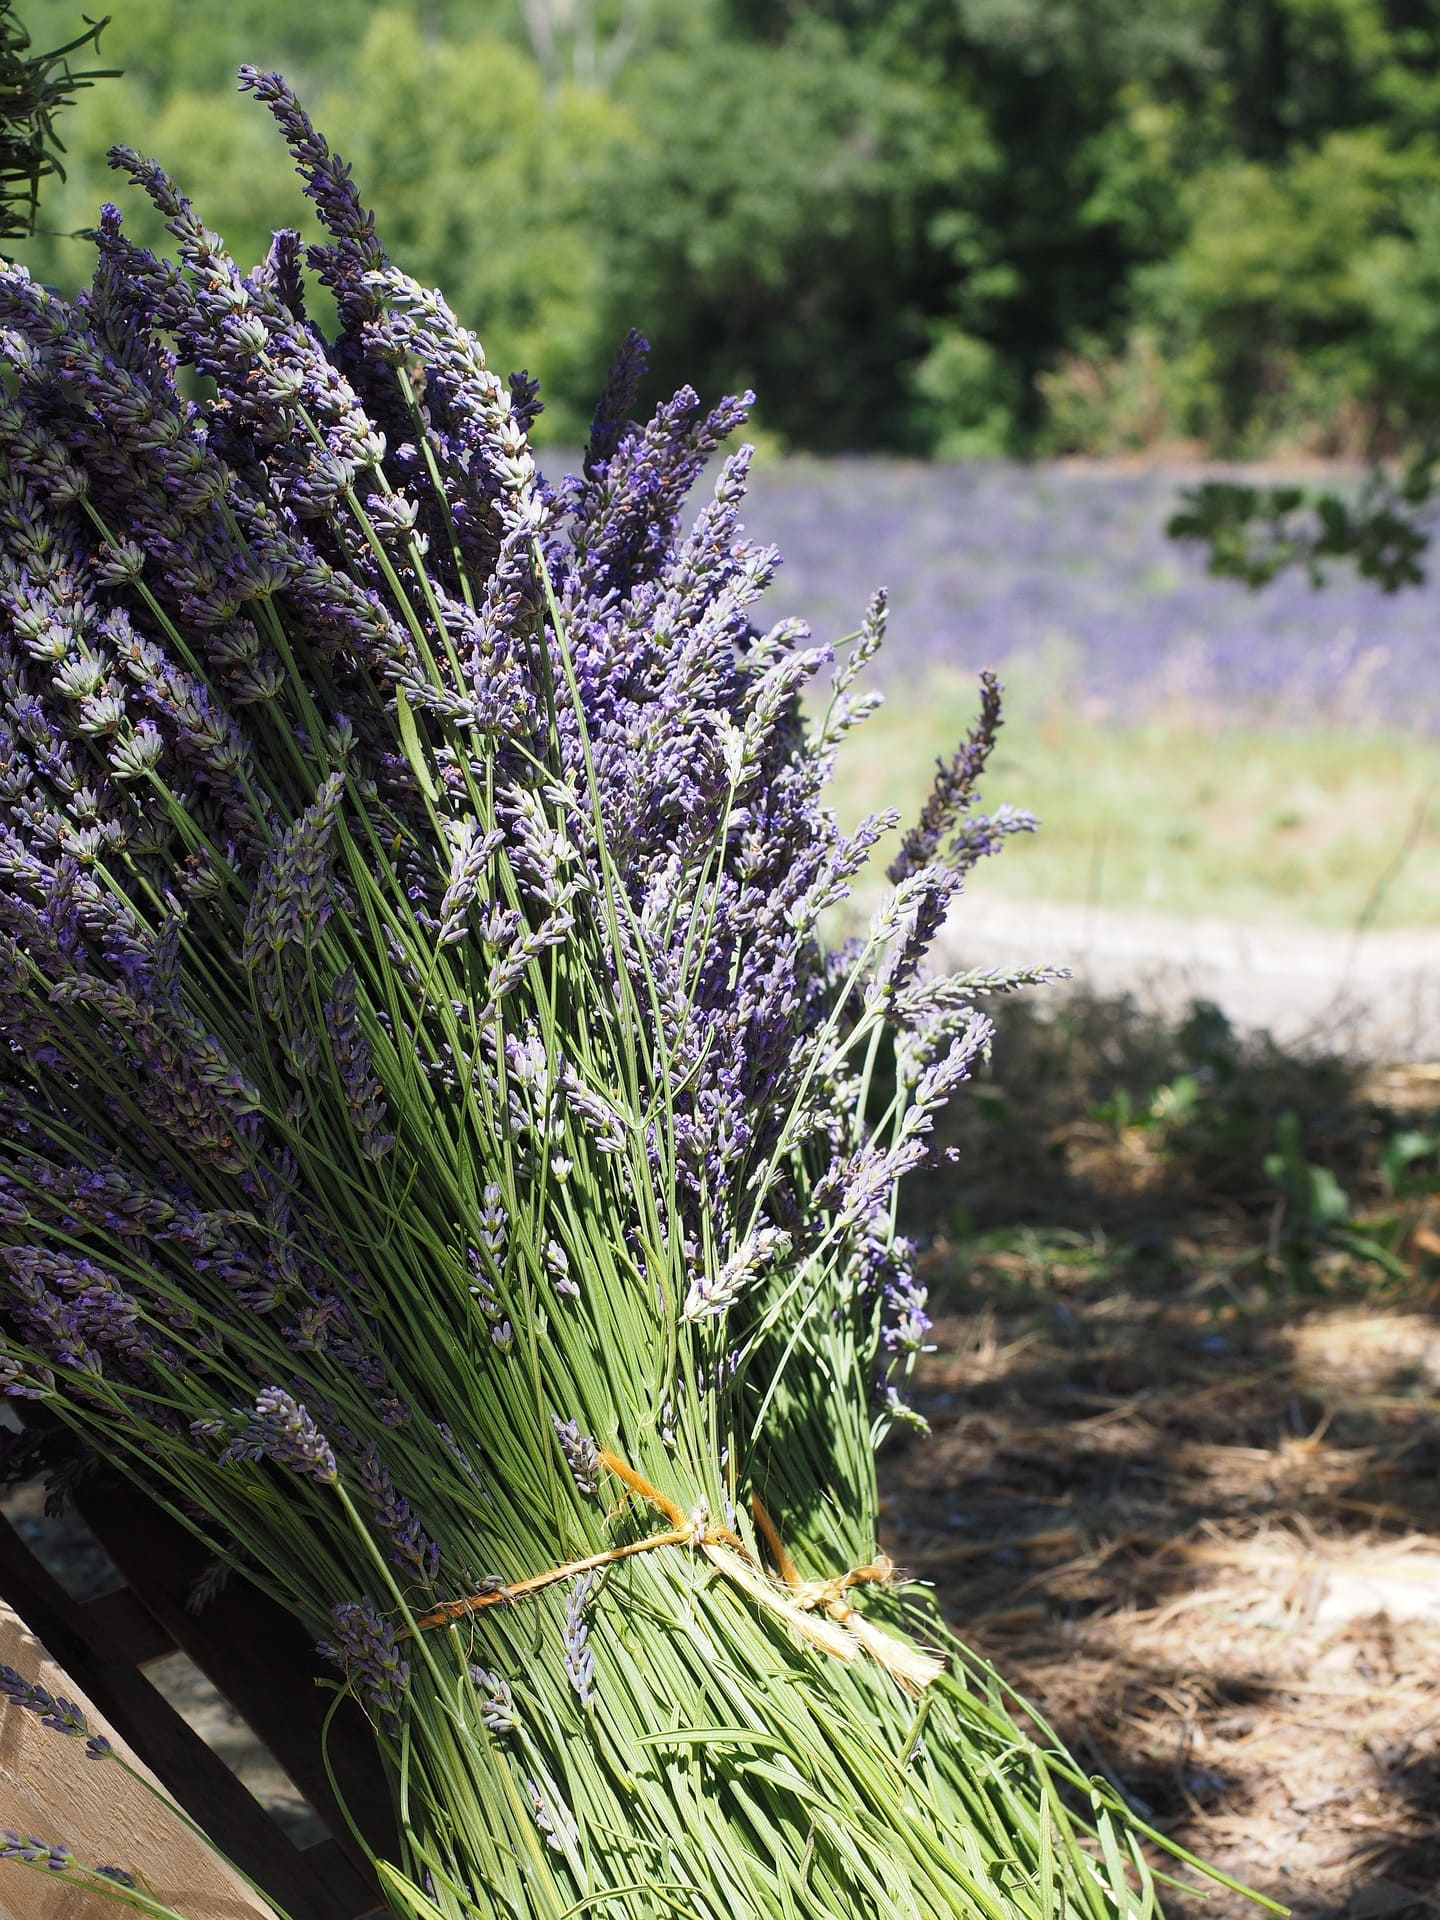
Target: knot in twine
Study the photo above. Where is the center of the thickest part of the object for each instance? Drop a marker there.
(817, 1610)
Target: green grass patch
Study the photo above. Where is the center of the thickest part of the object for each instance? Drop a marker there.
(1328, 827)
(1102, 1144)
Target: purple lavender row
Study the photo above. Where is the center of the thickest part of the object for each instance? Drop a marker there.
(1069, 571)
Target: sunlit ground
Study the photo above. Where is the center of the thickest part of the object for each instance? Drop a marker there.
(1181, 1483)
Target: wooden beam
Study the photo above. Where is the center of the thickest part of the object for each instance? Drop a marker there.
(262, 1660)
(50, 1789)
(91, 1666)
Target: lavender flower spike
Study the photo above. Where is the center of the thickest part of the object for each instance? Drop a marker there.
(710, 1295)
(579, 1660)
(953, 793)
(407, 1546)
(63, 1715)
(281, 1431)
(554, 1819)
(582, 1456)
(355, 250)
(291, 902)
(35, 1853)
(365, 1649)
(498, 1708)
(351, 1055)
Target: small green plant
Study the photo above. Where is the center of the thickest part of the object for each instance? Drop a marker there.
(33, 89)
(1314, 1215)
(1162, 1111)
(1408, 1164)
(1194, 1108)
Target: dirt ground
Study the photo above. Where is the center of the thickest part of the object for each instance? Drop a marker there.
(1378, 993)
(1183, 1496)
(1210, 1556)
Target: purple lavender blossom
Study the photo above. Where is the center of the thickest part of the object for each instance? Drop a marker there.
(472, 854)
(366, 1651)
(19, 1380)
(282, 1432)
(62, 1715)
(954, 791)
(612, 422)
(35, 1853)
(581, 1454)
(406, 1544)
(579, 1660)
(351, 1056)
(497, 1708)
(355, 251)
(493, 1224)
(292, 900)
(557, 1264)
(885, 1274)
(710, 1295)
(553, 1818)
(1069, 569)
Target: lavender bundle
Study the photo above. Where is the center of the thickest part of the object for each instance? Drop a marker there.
(440, 1160)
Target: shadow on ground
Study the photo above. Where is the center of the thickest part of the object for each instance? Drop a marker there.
(1183, 1484)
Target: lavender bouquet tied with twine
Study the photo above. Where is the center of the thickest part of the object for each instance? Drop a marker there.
(440, 1160)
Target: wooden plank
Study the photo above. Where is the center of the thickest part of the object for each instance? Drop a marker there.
(49, 1788)
(128, 1626)
(191, 1773)
(261, 1658)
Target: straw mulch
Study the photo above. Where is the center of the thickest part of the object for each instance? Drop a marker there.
(1200, 1531)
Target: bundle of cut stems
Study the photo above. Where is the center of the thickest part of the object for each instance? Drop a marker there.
(441, 1162)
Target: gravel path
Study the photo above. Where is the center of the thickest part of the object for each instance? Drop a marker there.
(1376, 994)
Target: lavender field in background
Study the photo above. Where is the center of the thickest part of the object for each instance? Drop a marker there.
(990, 563)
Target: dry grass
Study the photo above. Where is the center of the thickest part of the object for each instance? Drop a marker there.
(1325, 826)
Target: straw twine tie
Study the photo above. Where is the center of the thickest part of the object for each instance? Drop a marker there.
(817, 1610)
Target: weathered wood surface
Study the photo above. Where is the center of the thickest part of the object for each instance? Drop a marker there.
(254, 1653)
(50, 1789)
(262, 1660)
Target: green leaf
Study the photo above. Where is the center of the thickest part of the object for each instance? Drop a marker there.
(414, 750)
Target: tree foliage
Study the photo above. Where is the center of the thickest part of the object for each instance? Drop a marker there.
(949, 226)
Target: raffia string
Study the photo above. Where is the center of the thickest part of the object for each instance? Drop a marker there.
(842, 1632)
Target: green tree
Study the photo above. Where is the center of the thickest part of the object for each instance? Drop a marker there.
(776, 220)
(945, 226)
(487, 183)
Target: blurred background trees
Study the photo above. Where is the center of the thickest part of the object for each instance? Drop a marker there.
(928, 226)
